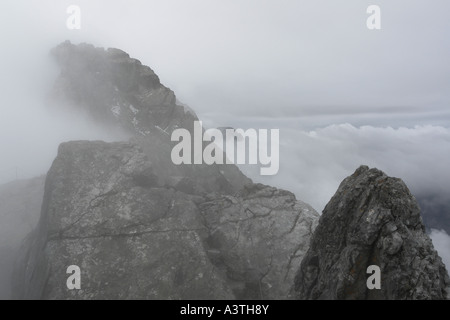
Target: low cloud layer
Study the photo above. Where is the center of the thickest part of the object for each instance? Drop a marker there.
(314, 162)
(303, 64)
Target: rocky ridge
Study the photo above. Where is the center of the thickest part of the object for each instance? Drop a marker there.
(104, 211)
(371, 220)
(141, 227)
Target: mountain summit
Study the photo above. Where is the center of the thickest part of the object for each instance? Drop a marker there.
(117, 89)
(140, 227)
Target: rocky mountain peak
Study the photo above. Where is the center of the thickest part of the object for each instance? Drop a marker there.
(114, 88)
(140, 227)
(371, 220)
(121, 92)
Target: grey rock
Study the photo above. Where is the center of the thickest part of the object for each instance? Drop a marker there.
(105, 212)
(257, 239)
(116, 90)
(140, 226)
(371, 220)
(132, 240)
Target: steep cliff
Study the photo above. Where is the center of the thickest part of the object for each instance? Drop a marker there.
(104, 211)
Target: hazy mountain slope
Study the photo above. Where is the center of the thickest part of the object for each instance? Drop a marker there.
(119, 91)
(188, 231)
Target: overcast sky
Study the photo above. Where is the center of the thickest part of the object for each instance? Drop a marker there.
(301, 66)
(294, 58)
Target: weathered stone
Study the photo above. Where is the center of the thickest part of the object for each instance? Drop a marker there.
(131, 241)
(371, 220)
(135, 240)
(119, 91)
(258, 238)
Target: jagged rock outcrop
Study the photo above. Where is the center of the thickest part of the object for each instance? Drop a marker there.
(371, 220)
(140, 227)
(117, 89)
(105, 212)
(120, 92)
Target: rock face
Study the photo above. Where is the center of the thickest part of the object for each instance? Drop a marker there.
(116, 89)
(119, 92)
(371, 220)
(139, 226)
(105, 212)
(258, 238)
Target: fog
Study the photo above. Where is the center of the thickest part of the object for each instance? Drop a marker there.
(313, 163)
(297, 65)
(340, 94)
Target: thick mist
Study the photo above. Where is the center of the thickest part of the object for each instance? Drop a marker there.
(312, 63)
(30, 127)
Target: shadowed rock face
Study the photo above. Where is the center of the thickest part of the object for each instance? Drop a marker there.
(371, 220)
(104, 211)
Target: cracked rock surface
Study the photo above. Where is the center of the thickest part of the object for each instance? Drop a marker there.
(105, 212)
(258, 239)
(371, 220)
